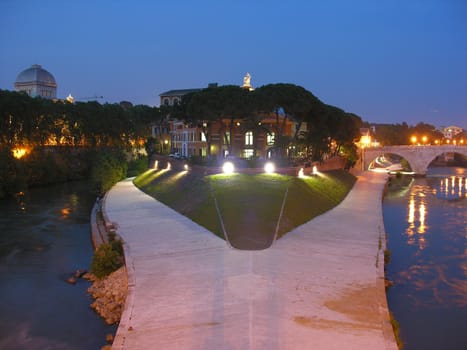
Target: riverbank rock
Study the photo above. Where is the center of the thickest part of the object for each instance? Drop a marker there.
(109, 294)
(80, 273)
(89, 276)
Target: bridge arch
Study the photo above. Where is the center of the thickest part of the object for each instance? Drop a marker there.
(419, 157)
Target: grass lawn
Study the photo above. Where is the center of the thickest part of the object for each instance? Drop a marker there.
(249, 205)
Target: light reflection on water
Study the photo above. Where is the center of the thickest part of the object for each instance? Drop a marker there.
(416, 217)
(426, 224)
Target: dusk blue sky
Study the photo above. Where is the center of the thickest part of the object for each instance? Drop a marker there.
(388, 61)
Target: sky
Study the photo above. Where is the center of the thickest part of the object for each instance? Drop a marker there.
(388, 61)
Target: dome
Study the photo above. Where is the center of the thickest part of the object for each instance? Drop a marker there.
(36, 82)
(36, 74)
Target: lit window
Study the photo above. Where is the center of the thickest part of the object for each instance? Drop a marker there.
(247, 153)
(249, 138)
(227, 138)
(203, 137)
(270, 138)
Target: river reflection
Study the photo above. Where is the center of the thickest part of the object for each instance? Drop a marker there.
(426, 223)
(44, 237)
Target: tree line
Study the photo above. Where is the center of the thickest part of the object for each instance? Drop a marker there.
(402, 133)
(26, 121)
(67, 141)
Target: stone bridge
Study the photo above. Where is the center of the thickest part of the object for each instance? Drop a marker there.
(419, 157)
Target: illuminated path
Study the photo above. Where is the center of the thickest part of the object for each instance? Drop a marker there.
(319, 287)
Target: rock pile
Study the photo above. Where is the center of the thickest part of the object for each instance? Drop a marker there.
(109, 294)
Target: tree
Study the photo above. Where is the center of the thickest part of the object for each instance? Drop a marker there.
(287, 102)
(222, 105)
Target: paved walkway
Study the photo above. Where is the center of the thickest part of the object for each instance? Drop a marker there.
(319, 287)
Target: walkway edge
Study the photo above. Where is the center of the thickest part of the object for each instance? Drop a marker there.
(125, 319)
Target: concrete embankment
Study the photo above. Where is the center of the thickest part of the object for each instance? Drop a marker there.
(319, 287)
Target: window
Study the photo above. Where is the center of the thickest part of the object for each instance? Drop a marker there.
(249, 138)
(226, 138)
(247, 153)
(270, 138)
(175, 101)
(203, 137)
(166, 101)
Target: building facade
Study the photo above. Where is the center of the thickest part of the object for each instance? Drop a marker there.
(229, 137)
(172, 97)
(451, 131)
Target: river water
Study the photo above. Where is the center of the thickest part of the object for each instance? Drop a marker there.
(426, 225)
(45, 237)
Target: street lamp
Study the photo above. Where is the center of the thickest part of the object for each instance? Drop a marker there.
(424, 139)
(414, 139)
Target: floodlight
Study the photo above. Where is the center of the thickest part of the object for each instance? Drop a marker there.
(228, 168)
(269, 168)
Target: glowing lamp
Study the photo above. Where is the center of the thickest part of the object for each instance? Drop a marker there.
(169, 166)
(156, 164)
(185, 167)
(315, 170)
(301, 173)
(365, 140)
(269, 168)
(19, 152)
(228, 168)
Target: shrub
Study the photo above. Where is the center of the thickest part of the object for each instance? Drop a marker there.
(109, 168)
(115, 243)
(106, 260)
(387, 256)
(137, 166)
(396, 328)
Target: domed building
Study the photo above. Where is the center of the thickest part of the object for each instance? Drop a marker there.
(36, 82)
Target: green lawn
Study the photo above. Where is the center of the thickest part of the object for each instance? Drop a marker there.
(249, 205)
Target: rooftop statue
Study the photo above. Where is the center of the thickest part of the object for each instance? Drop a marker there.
(247, 82)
